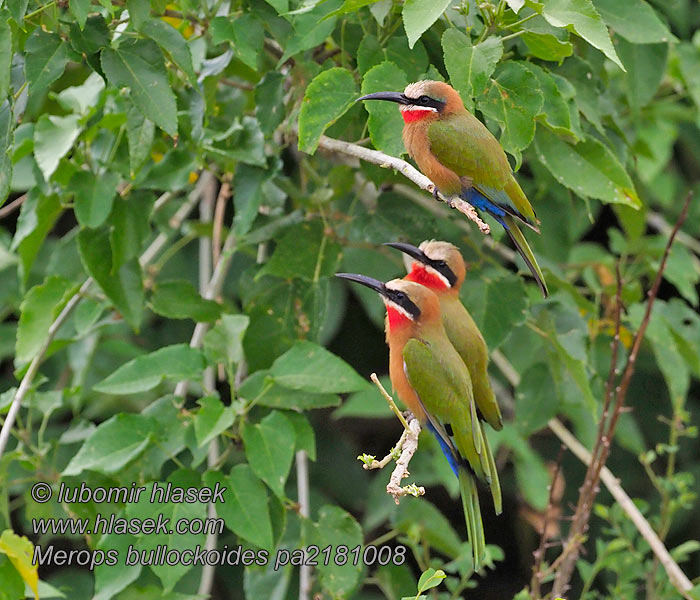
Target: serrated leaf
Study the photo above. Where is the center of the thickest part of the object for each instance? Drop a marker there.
(245, 509)
(80, 9)
(588, 168)
(113, 445)
(130, 229)
(223, 343)
(7, 125)
(547, 46)
(269, 448)
(123, 286)
(139, 65)
(554, 109)
(419, 15)
(53, 138)
(327, 97)
(46, 58)
(385, 122)
(309, 367)
(171, 41)
(139, 11)
(93, 196)
(249, 35)
(261, 389)
(581, 17)
(177, 362)
(470, 67)
(514, 99)
(178, 299)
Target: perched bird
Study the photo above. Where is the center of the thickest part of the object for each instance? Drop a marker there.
(434, 383)
(462, 158)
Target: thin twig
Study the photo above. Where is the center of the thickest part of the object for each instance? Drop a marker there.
(12, 206)
(410, 445)
(601, 449)
(302, 467)
(206, 212)
(406, 169)
(389, 399)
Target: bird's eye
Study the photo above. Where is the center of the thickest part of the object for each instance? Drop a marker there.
(424, 100)
(400, 296)
(440, 263)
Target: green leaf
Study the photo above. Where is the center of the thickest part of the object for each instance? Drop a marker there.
(112, 579)
(351, 6)
(123, 286)
(46, 58)
(7, 125)
(310, 28)
(418, 517)
(91, 39)
(36, 218)
(139, 11)
(178, 299)
(53, 138)
(497, 305)
(139, 134)
(211, 419)
(171, 41)
(81, 99)
(177, 362)
(193, 512)
(245, 143)
(303, 251)
(309, 367)
(581, 17)
(367, 404)
(223, 343)
(261, 389)
(419, 15)
(514, 99)
(547, 46)
(249, 36)
(269, 448)
(245, 509)
(430, 579)
(336, 527)
(130, 229)
(645, 64)
(13, 584)
(39, 308)
(248, 183)
(113, 445)
(634, 20)
(327, 97)
(689, 63)
(470, 67)
(304, 436)
(93, 196)
(589, 168)
(5, 56)
(139, 65)
(385, 122)
(535, 403)
(18, 10)
(555, 109)
(269, 102)
(80, 9)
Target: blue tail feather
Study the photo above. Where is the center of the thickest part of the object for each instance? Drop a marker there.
(481, 202)
(446, 450)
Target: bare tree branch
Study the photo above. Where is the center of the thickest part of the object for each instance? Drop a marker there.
(406, 169)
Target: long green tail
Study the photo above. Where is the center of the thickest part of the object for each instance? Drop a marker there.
(494, 484)
(472, 516)
(524, 250)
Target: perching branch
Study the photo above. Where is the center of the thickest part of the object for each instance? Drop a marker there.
(405, 448)
(406, 169)
(606, 429)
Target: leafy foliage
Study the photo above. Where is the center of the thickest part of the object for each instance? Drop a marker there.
(135, 131)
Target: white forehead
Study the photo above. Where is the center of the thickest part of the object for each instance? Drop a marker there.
(414, 90)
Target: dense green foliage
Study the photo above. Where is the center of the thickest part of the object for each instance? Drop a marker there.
(118, 118)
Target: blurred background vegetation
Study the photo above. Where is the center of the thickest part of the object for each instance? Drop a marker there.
(153, 180)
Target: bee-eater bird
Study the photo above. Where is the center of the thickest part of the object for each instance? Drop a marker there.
(462, 158)
(434, 383)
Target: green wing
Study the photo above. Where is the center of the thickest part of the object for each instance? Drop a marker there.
(442, 383)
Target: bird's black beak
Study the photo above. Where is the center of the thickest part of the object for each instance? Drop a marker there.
(397, 97)
(370, 282)
(439, 265)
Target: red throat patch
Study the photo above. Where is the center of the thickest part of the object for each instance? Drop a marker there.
(396, 318)
(421, 275)
(410, 116)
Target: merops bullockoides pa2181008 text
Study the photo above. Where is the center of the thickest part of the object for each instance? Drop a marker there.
(462, 158)
(434, 383)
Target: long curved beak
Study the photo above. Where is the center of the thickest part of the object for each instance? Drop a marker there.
(390, 96)
(412, 251)
(370, 282)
